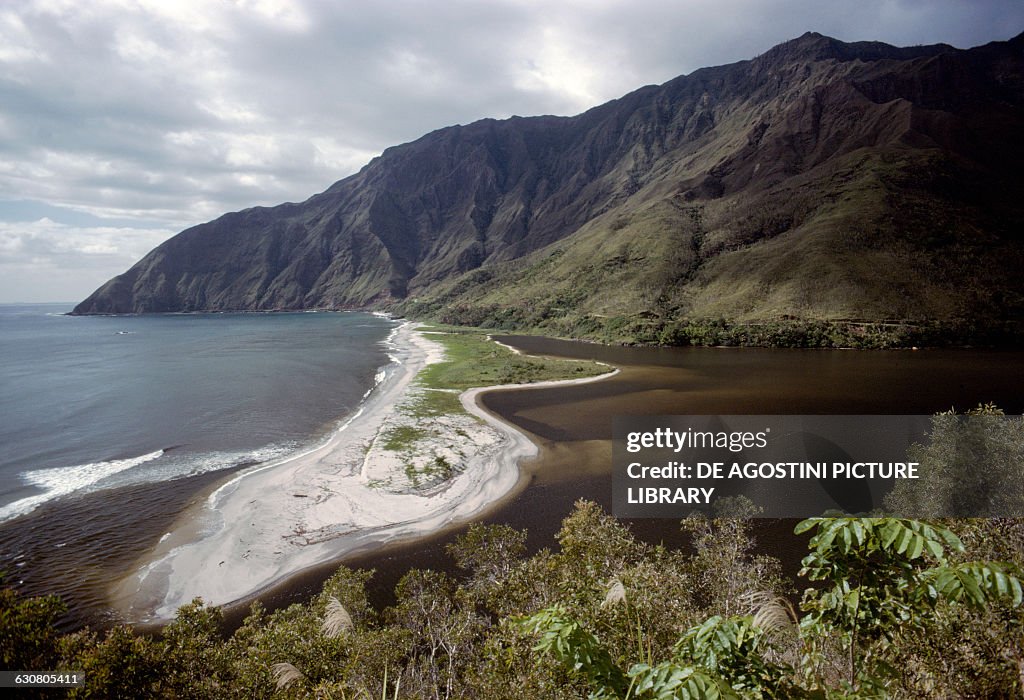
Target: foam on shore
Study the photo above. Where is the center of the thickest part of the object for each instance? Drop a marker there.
(61, 481)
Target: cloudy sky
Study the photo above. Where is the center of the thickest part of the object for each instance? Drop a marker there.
(123, 122)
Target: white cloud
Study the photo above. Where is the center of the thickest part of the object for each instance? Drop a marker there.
(282, 14)
(60, 244)
(46, 261)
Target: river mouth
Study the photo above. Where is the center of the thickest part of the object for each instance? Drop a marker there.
(573, 427)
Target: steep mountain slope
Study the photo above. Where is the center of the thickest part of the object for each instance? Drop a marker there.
(820, 180)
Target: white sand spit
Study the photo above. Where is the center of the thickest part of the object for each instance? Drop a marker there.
(346, 495)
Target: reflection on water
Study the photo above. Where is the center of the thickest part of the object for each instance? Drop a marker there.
(574, 426)
(728, 381)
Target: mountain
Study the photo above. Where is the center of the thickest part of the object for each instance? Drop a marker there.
(820, 180)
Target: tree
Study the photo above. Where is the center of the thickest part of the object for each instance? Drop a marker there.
(881, 579)
(489, 553)
(194, 653)
(120, 665)
(28, 640)
(884, 578)
(443, 628)
(972, 466)
(725, 569)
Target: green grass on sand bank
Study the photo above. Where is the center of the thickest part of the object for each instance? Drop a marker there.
(473, 360)
(430, 437)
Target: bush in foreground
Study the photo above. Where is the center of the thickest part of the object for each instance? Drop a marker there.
(897, 608)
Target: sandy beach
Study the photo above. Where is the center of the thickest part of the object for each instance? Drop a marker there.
(346, 495)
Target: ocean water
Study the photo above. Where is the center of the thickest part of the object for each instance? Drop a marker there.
(111, 424)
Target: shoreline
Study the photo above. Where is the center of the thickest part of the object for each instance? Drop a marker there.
(340, 498)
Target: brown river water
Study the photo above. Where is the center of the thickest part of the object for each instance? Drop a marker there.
(573, 426)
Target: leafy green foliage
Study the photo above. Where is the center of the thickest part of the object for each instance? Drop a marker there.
(717, 659)
(899, 608)
(121, 664)
(972, 465)
(28, 640)
(733, 649)
(973, 583)
(578, 649)
(194, 655)
(884, 578)
(670, 681)
(488, 553)
(878, 586)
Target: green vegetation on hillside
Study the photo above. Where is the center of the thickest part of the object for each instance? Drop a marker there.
(820, 181)
(646, 329)
(873, 249)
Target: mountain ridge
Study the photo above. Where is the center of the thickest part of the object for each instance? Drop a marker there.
(711, 195)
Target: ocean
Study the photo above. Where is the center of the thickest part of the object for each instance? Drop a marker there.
(113, 424)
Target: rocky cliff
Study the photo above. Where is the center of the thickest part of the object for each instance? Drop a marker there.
(821, 179)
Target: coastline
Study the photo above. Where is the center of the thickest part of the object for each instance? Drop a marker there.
(340, 498)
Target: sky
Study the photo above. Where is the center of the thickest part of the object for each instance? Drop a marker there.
(123, 122)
